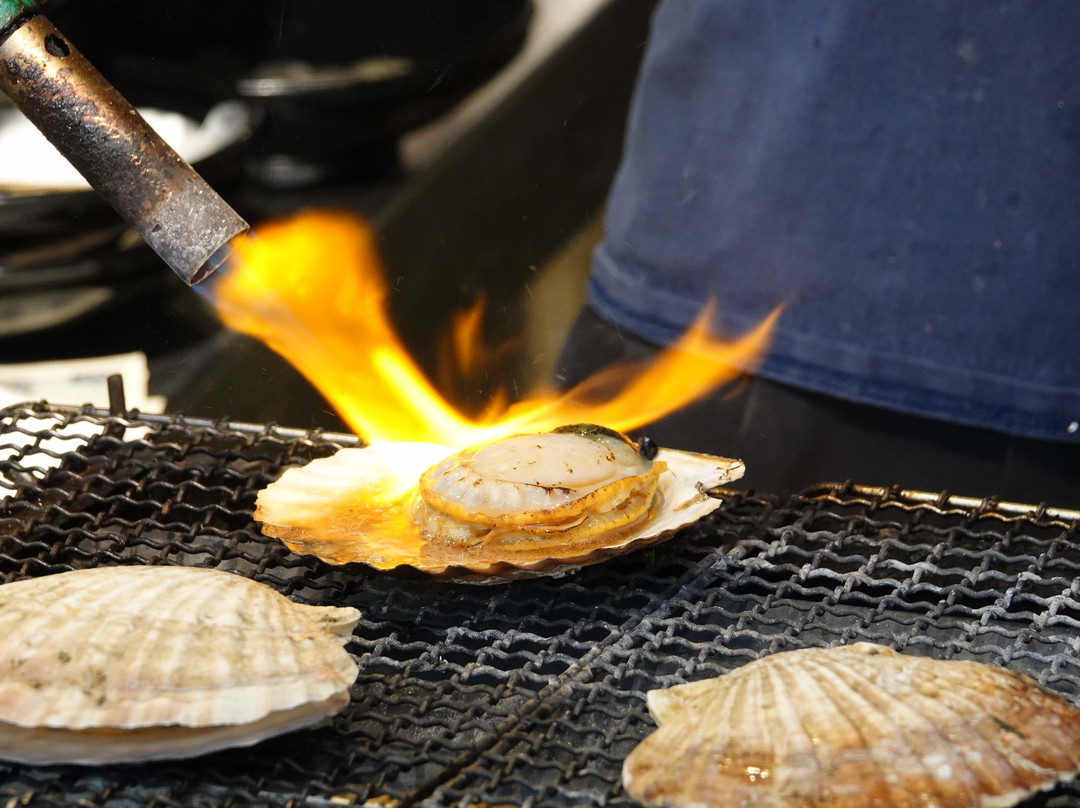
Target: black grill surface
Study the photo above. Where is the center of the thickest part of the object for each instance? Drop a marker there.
(531, 693)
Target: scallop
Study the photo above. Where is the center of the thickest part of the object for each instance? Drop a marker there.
(128, 664)
(570, 484)
(533, 504)
(855, 726)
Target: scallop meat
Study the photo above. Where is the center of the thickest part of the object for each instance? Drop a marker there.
(127, 664)
(855, 726)
(532, 504)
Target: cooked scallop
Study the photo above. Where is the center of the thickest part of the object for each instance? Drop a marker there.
(855, 726)
(125, 664)
(570, 485)
(538, 503)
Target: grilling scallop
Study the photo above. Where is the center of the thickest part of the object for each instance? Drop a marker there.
(851, 727)
(534, 504)
(572, 484)
(127, 664)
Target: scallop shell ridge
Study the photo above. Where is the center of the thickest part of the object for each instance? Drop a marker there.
(854, 726)
(132, 648)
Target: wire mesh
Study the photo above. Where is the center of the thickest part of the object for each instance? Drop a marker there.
(531, 693)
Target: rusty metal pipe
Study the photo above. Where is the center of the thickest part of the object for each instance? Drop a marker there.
(123, 159)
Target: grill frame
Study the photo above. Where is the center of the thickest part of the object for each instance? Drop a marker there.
(532, 692)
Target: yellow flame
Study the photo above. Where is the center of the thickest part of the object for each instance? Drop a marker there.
(312, 288)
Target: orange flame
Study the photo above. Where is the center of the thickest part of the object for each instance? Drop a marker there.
(466, 342)
(312, 288)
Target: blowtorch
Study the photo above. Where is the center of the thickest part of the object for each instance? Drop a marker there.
(136, 172)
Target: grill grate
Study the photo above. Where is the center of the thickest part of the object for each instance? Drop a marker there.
(531, 693)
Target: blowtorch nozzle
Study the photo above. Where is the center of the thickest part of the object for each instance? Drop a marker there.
(222, 256)
(175, 211)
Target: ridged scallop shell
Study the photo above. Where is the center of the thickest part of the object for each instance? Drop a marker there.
(121, 664)
(851, 727)
(337, 508)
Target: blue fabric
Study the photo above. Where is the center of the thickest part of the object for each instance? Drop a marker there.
(905, 175)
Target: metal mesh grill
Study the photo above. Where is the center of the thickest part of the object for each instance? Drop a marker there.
(528, 694)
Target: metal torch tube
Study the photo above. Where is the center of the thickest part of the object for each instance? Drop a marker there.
(101, 134)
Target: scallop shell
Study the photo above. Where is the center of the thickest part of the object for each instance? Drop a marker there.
(124, 664)
(851, 727)
(341, 509)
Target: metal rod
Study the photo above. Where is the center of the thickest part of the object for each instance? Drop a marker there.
(117, 405)
(108, 142)
(146, 418)
(117, 401)
(948, 501)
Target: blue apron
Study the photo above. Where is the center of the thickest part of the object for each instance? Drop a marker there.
(904, 175)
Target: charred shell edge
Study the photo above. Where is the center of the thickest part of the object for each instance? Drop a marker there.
(646, 447)
(594, 431)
